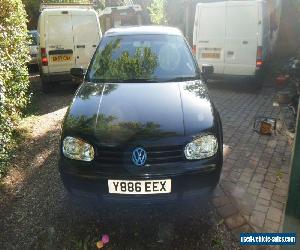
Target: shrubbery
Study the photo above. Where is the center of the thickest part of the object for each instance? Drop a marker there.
(14, 80)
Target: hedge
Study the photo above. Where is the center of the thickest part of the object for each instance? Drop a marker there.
(14, 80)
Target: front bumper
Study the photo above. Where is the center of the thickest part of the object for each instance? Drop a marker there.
(187, 185)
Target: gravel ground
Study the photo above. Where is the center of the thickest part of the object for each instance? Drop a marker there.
(37, 213)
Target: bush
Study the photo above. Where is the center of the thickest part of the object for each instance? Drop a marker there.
(14, 81)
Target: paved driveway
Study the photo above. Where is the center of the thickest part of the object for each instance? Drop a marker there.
(254, 185)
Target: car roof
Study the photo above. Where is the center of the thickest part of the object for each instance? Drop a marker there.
(143, 30)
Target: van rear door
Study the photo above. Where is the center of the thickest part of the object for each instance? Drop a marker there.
(210, 35)
(242, 24)
(59, 41)
(87, 33)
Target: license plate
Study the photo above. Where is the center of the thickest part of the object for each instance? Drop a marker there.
(61, 58)
(211, 55)
(139, 187)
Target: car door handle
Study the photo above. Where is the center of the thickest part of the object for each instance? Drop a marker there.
(245, 42)
(94, 45)
(80, 46)
(230, 53)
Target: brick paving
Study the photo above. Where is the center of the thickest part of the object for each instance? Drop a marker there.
(254, 184)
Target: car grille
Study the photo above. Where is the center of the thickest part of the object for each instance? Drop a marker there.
(155, 155)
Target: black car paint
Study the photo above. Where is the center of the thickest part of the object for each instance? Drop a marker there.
(106, 111)
(152, 114)
(122, 116)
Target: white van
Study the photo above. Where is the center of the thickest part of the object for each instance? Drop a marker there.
(69, 36)
(236, 37)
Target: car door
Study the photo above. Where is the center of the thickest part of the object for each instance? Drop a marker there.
(59, 42)
(241, 38)
(210, 35)
(86, 31)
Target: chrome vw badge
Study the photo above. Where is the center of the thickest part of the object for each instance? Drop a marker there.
(139, 156)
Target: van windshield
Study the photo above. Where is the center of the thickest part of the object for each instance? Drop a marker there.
(142, 58)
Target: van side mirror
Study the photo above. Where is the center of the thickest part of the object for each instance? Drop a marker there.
(207, 69)
(77, 73)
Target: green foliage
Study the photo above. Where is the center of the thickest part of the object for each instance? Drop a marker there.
(14, 80)
(157, 12)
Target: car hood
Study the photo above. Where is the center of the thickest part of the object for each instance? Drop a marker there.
(138, 112)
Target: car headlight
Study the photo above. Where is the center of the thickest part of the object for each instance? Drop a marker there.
(77, 149)
(201, 148)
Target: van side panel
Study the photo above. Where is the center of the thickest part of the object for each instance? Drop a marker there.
(264, 34)
(86, 31)
(241, 38)
(59, 42)
(42, 42)
(210, 35)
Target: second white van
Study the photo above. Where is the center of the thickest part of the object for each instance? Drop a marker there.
(69, 36)
(236, 37)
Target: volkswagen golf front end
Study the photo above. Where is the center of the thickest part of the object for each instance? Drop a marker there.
(142, 126)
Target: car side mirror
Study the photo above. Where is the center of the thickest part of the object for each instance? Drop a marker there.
(207, 69)
(77, 73)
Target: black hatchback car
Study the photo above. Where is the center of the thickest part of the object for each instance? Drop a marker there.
(141, 126)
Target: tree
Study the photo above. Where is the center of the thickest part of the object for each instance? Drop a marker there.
(157, 12)
(32, 9)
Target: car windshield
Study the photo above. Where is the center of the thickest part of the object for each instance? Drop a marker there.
(142, 58)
